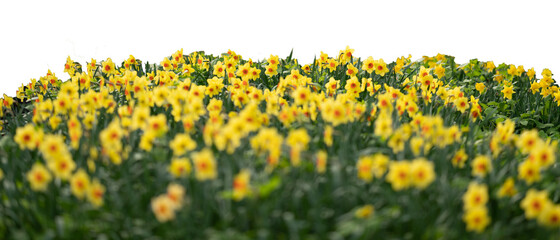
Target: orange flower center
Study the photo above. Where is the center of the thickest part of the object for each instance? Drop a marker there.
(38, 177)
(337, 113)
(477, 220)
(481, 167)
(536, 205)
(203, 166)
(98, 193)
(162, 208)
(477, 199)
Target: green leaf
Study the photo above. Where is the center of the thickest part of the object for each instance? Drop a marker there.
(271, 185)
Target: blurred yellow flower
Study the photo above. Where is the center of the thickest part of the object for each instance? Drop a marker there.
(476, 196)
(95, 193)
(550, 216)
(477, 219)
(543, 155)
(379, 165)
(298, 137)
(416, 144)
(508, 188)
(480, 87)
(26, 137)
(62, 166)
(399, 175)
(534, 203)
(157, 124)
(490, 66)
(301, 95)
(459, 158)
(163, 208)
(528, 140)
(205, 165)
(241, 187)
(180, 167)
(364, 168)
(79, 183)
(439, 71)
(383, 126)
(181, 144)
(327, 135)
(481, 165)
(422, 172)
(176, 193)
(321, 161)
(529, 171)
(38, 177)
(365, 211)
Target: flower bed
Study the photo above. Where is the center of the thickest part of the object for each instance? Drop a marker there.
(203, 146)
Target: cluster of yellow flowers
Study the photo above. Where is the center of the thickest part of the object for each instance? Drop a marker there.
(401, 174)
(218, 100)
(537, 205)
(59, 164)
(474, 203)
(165, 205)
(544, 86)
(268, 141)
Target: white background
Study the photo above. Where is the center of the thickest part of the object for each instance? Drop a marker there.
(38, 35)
